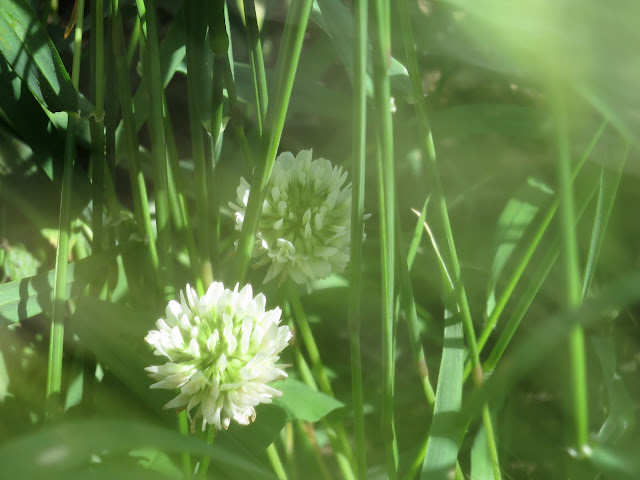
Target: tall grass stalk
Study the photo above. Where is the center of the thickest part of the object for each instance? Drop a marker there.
(286, 66)
(56, 340)
(138, 186)
(381, 33)
(434, 174)
(158, 150)
(198, 57)
(97, 122)
(361, 8)
(572, 275)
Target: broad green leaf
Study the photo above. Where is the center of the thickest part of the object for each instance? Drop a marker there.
(513, 222)
(25, 45)
(30, 296)
(444, 436)
(303, 403)
(19, 262)
(64, 449)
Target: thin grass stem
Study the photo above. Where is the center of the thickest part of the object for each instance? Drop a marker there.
(198, 56)
(359, 144)
(138, 186)
(156, 130)
(572, 275)
(56, 340)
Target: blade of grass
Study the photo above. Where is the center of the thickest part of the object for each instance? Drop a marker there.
(156, 130)
(56, 341)
(96, 123)
(381, 32)
(359, 145)
(432, 167)
(286, 66)
(609, 181)
(198, 67)
(138, 185)
(570, 257)
(537, 279)
(531, 248)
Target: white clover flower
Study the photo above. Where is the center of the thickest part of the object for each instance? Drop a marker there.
(222, 350)
(305, 224)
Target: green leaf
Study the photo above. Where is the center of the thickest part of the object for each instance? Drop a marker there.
(24, 298)
(31, 53)
(513, 222)
(64, 449)
(19, 262)
(303, 403)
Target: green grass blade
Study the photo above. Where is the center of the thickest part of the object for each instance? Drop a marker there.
(381, 33)
(56, 340)
(583, 198)
(359, 144)
(531, 247)
(570, 256)
(609, 181)
(158, 149)
(199, 69)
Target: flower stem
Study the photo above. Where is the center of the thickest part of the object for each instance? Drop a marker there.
(206, 460)
(274, 458)
(256, 60)
(56, 341)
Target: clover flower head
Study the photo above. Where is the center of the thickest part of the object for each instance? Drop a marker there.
(222, 351)
(305, 225)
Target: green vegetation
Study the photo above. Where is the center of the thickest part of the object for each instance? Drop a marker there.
(486, 326)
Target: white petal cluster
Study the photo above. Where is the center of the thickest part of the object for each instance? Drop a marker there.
(222, 350)
(305, 225)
